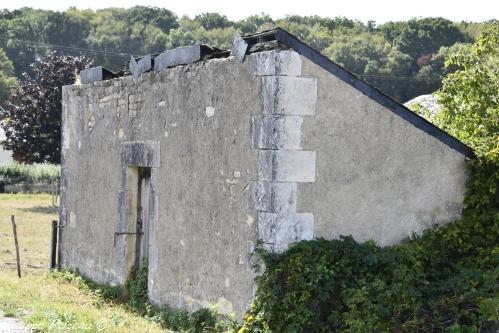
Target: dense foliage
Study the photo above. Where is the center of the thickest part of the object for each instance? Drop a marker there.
(32, 116)
(445, 280)
(470, 96)
(7, 79)
(397, 57)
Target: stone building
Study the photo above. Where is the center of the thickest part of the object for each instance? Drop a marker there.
(192, 156)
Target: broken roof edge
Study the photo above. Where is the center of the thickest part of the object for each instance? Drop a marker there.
(184, 55)
(372, 92)
(278, 38)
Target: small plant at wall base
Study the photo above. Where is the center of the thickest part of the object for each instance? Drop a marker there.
(134, 297)
(200, 321)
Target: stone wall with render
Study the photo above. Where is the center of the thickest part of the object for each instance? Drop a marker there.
(378, 176)
(192, 125)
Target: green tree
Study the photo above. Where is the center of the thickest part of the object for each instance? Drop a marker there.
(191, 31)
(7, 79)
(163, 19)
(320, 32)
(213, 21)
(32, 117)
(418, 37)
(138, 30)
(474, 29)
(26, 26)
(255, 23)
(470, 95)
(375, 60)
(67, 28)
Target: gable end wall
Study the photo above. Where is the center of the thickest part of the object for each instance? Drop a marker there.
(378, 176)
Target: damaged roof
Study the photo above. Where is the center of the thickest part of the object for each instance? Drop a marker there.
(271, 40)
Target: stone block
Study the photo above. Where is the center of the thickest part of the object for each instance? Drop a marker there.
(239, 47)
(276, 131)
(273, 197)
(289, 95)
(91, 75)
(286, 165)
(140, 153)
(141, 66)
(281, 230)
(178, 56)
(276, 62)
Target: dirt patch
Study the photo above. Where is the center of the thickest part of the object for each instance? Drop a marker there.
(12, 325)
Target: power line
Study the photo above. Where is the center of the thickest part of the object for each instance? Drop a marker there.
(398, 77)
(65, 47)
(123, 55)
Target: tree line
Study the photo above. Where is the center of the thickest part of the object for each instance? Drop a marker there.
(403, 59)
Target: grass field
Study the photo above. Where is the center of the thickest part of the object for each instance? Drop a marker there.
(45, 301)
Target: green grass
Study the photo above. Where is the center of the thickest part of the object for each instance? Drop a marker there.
(51, 302)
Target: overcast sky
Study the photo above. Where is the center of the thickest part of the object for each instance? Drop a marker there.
(378, 10)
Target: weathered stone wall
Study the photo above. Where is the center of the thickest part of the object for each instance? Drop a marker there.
(200, 118)
(378, 177)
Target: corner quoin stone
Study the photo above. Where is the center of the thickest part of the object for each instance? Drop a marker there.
(289, 95)
(287, 63)
(287, 99)
(278, 230)
(276, 131)
(273, 197)
(286, 165)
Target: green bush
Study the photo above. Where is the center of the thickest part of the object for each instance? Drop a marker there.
(14, 173)
(200, 321)
(446, 280)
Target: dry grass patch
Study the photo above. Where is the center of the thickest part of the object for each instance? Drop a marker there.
(48, 302)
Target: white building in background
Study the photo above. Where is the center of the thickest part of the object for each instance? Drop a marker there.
(5, 155)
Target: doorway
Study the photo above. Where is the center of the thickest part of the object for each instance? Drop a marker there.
(139, 179)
